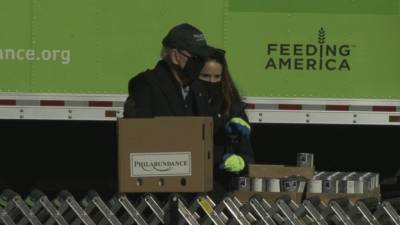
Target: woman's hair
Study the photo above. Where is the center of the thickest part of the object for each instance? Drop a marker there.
(229, 91)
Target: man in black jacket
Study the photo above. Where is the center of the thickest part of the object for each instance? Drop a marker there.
(172, 88)
(168, 90)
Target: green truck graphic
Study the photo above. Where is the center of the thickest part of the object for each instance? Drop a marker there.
(341, 50)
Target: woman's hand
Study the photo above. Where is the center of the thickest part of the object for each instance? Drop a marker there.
(238, 127)
(233, 163)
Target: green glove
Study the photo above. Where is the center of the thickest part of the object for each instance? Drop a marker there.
(233, 163)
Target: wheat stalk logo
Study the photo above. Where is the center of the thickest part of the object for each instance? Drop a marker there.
(321, 36)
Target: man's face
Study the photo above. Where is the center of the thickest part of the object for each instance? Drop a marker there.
(189, 66)
(180, 57)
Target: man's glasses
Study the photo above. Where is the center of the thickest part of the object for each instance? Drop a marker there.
(194, 57)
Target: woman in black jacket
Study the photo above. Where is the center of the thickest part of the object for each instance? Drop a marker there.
(232, 151)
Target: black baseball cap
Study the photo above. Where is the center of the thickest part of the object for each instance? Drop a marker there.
(187, 37)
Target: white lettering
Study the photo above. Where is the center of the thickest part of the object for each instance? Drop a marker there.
(30, 54)
(20, 54)
(46, 55)
(10, 54)
(66, 57)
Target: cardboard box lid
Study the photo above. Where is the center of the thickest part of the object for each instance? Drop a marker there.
(170, 132)
(279, 171)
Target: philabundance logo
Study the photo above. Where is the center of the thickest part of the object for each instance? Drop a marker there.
(160, 164)
(321, 56)
(61, 55)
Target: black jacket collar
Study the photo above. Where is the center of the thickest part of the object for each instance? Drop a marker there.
(170, 87)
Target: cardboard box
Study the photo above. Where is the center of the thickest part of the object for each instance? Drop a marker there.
(271, 197)
(165, 154)
(279, 171)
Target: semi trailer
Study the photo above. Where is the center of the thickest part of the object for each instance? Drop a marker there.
(308, 70)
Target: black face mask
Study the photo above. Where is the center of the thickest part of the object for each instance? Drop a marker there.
(192, 69)
(214, 89)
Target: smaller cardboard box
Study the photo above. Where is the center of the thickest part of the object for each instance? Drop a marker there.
(279, 171)
(165, 154)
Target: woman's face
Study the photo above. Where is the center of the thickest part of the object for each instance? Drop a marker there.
(211, 72)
